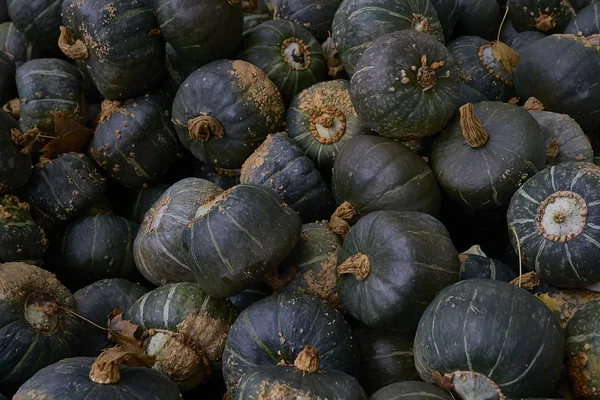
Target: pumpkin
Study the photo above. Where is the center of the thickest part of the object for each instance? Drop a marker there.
(222, 178)
(224, 130)
(37, 327)
(38, 20)
(523, 39)
(94, 33)
(316, 16)
(261, 14)
(536, 76)
(64, 188)
(584, 23)
(16, 45)
(95, 302)
(357, 24)
(486, 152)
(447, 12)
(579, 5)
(15, 165)
(20, 238)
(411, 390)
(386, 286)
(478, 18)
(466, 94)
(157, 249)
(8, 89)
(494, 329)
(283, 324)
(405, 94)
(250, 296)
(303, 379)
(554, 216)
(548, 16)
(139, 201)
(321, 119)
(474, 264)
(288, 54)
(280, 166)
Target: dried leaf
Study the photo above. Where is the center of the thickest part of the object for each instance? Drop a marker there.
(443, 382)
(504, 54)
(71, 136)
(526, 281)
(13, 107)
(123, 332)
(106, 368)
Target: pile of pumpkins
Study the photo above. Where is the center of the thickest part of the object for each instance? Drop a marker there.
(299, 199)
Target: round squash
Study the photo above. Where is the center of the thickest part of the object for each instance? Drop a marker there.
(466, 94)
(585, 22)
(548, 16)
(474, 264)
(225, 179)
(16, 45)
(405, 85)
(447, 12)
(261, 14)
(139, 201)
(523, 39)
(495, 329)
(15, 165)
(316, 16)
(38, 20)
(288, 54)
(478, 18)
(224, 130)
(250, 296)
(411, 390)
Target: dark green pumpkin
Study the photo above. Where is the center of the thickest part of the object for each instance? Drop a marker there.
(288, 53)
(158, 252)
(466, 94)
(222, 178)
(139, 201)
(278, 327)
(478, 18)
(481, 166)
(38, 20)
(411, 390)
(8, 88)
(474, 264)
(548, 16)
(70, 379)
(16, 45)
(15, 167)
(556, 217)
(250, 296)
(280, 166)
(523, 39)
(585, 23)
(405, 85)
(495, 329)
(119, 68)
(316, 16)
(34, 332)
(447, 12)
(224, 130)
(358, 23)
(95, 302)
(261, 14)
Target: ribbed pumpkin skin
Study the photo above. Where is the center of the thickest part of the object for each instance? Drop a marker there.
(15, 168)
(528, 15)
(38, 20)
(535, 75)
(65, 187)
(466, 94)
(496, 329)
(316, 16)
(48, 85)
(411, 390)
(139, 201)
(238, 238)
(280, 166)
(378, 174)
(390, 97)
(24, 349)
(248, 107)
(16, 45)
(402, 280)
(95, 302)
(585, 23)
(264, 47)
(70, 379)
(284, 324)
(118, 67)
(158, 251)
(20, 238)
(358, 23)
(570, 262)
(8, 89)
(480, 267)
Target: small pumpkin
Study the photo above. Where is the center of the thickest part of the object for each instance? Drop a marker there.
(16, 45)
(474, 264)
(411, 390)
(585, 22)
(15, 162)
(316, 16)
(38, 20)
(548, 16)
(139, 201)
(478, 18)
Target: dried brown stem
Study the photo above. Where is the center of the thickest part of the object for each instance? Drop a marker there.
(202, 127)
(472, 129)
(308, 360)
(341, 219)
(357, 265)
(75, 51)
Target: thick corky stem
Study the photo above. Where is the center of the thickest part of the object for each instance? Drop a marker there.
(277, 281)
(13, 107)
(308, 360)
(106, 369)
(75, 51)
(357, 265)
(533, 104)
(108, 108)
(473, 132)
(545, 22)
(203, 126)
(552, 152)
(341, 219)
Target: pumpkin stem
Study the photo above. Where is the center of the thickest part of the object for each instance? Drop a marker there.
(473, 132)
(513, 100)
(295, 53)
(25, 140)
(357, 265)
(334, 62)
(308, 360)
(107, 109)
(203, 126)
(545, 22)
(228, 172)
(247, 6)
(552, 152)
(533, 104)
(76, 51)
(106, 369)
(426, 76)
(277, 281)
(473, 250)
(420, 23)
(328, 125)
(342, 217)
(473, 385)
(13, 107)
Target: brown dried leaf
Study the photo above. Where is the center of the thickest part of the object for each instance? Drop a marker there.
(123, 332)
(106, 368)
(443, 382)
(71, 136)
(506, 55)
(526, 281)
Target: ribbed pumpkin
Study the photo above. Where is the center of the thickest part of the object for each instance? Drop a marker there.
(474, 264)
(316, 16)
(38, 20)
(519, 40)
(548, 16)
(585, 23)
(15, 167)
(139, 201)
(15, 45)
(411, 390)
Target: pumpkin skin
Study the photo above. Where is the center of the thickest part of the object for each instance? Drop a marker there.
(447, 12)
(15, 167)
(32, 338)
(479, 267)
(563, 246)
(584, 23)
(397, 101)
(317, 17)
(548, 16)
(95, 302)
(287, 52)
(427, 259)
(38, 20)
(139, 201)
(280, 166)
(234, 123)
(16, 45)
(411, 390)
(8, 89)
(523, 39)
(69, 378)
(297, 318)
(250, 296)
(357, 24)
(119, 68)
(157, 249)
(513, 152)
(261, 14)
(466, 94)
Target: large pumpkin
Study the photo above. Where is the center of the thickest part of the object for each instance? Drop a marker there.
(15, 45)
(38, 20)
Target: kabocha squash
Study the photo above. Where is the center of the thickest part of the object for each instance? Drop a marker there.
(20, 238)
(94, 33)
(321, 119)
(411, 390)
(553, 81)
(486, 152)
(135, 142)
(316, 16)
(478, 18)
(555, 216)
(279, 165)
(523, 39)
(386, 286)
(38, 20)
(224, 130)
(466, 94)
(447, 12)
(261, 14)
(288, 54)
(222, 178)
(15, 45)
(139, 201)
(405, 85)
(304, 379)
(37, 327)
(358, 23)
(15, 164)
(96, 302)
(474, 264)
(283, 324)
(250, 296)
(495, 329)
(548, 16)
(8, 89)
(255, 222)
(158, 252)
(585, 23)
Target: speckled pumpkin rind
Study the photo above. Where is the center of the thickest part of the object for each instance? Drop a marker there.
(548, 16)
(20, 238)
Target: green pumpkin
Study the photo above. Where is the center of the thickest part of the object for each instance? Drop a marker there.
(261, 14)
(447, 12)
(405, 85)
(15, 167)
(139, 201)
(411, 390)
(474, 264)
(548, 16)
(38, 20)
(358, 23)
(585, 22)
(16, 45)
(518, 40)
(288, 53)
(316, 16)
(250, 296)
(497, 330)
